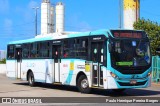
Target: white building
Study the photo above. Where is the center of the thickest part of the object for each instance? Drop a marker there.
(59, 17)
(52, 17)
(47, 17)
(2, 54)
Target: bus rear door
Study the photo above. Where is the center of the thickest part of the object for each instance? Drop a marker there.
(56, 51)
(18, 61)
(97, 56)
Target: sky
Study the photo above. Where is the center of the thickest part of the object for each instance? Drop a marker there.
(17, 16)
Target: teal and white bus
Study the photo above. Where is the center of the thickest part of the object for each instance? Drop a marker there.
(103, 59)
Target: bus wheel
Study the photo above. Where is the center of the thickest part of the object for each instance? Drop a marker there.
(31, 80)
(83, 84)
(118, 90)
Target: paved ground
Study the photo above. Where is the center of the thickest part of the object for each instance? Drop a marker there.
(17, 88)
(10, 88)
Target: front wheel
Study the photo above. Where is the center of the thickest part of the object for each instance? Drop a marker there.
(31, 80)
(83, 84)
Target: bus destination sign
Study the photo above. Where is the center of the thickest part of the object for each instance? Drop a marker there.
(128, 34)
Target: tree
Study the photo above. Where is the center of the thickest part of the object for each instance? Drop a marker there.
(3, 61)
(153, 31)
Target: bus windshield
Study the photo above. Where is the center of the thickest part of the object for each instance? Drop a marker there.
(131, 53)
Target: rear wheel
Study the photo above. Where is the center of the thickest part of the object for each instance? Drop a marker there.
(83, 84)
(31, 80)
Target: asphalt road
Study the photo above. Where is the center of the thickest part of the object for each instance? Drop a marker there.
(18, 88)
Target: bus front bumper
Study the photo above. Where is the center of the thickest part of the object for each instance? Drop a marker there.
(113, 83)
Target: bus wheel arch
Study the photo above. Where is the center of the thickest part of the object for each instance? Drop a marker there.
(30, 78)
(82, 83)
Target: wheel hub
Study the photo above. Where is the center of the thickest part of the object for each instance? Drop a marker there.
(84, 83)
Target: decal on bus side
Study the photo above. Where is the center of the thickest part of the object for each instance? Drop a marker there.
(70, 74)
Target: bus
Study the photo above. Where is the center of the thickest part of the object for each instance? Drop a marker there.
(102, 59)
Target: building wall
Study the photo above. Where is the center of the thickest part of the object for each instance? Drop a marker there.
(60, 17)
(3, 69)
(2, 54)
(47, 18)
(131, 13)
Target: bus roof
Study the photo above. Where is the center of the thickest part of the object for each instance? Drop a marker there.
(56, 36)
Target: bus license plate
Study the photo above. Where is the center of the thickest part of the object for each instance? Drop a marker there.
(133, 82)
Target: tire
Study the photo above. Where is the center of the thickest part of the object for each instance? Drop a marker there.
(118, 90)
(31, 80)
(83, 85)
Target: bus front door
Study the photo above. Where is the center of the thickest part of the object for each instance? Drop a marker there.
(97, 56)
(18, 62)
(56, 49)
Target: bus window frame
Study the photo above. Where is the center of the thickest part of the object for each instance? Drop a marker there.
(13, 57)
(37, 51)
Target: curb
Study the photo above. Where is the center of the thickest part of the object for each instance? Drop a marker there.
(156, 84)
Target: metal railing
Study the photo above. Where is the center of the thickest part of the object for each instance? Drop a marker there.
(156, 69)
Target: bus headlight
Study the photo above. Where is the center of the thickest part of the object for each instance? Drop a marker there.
(113, 75)
(149, 74)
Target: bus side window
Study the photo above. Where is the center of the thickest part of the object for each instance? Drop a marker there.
(35, 50)
(65, 55)
(82, 48)
(25, 51)
(69, 48)
(10, 52)
(44, 49)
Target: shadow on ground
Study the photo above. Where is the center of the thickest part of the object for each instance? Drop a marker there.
(127, 92)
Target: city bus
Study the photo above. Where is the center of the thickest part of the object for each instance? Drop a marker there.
(102, 59)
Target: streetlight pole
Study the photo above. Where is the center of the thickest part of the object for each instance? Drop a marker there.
(36, 8)
(120, 14)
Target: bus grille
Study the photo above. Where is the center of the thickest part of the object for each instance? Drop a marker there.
(128, 84)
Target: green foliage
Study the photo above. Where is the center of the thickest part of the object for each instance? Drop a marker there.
(153, 31)
(3, 61)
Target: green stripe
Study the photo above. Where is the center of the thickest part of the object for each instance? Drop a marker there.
(125, 63)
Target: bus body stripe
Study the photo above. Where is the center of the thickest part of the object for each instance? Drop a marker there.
(70, 74)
